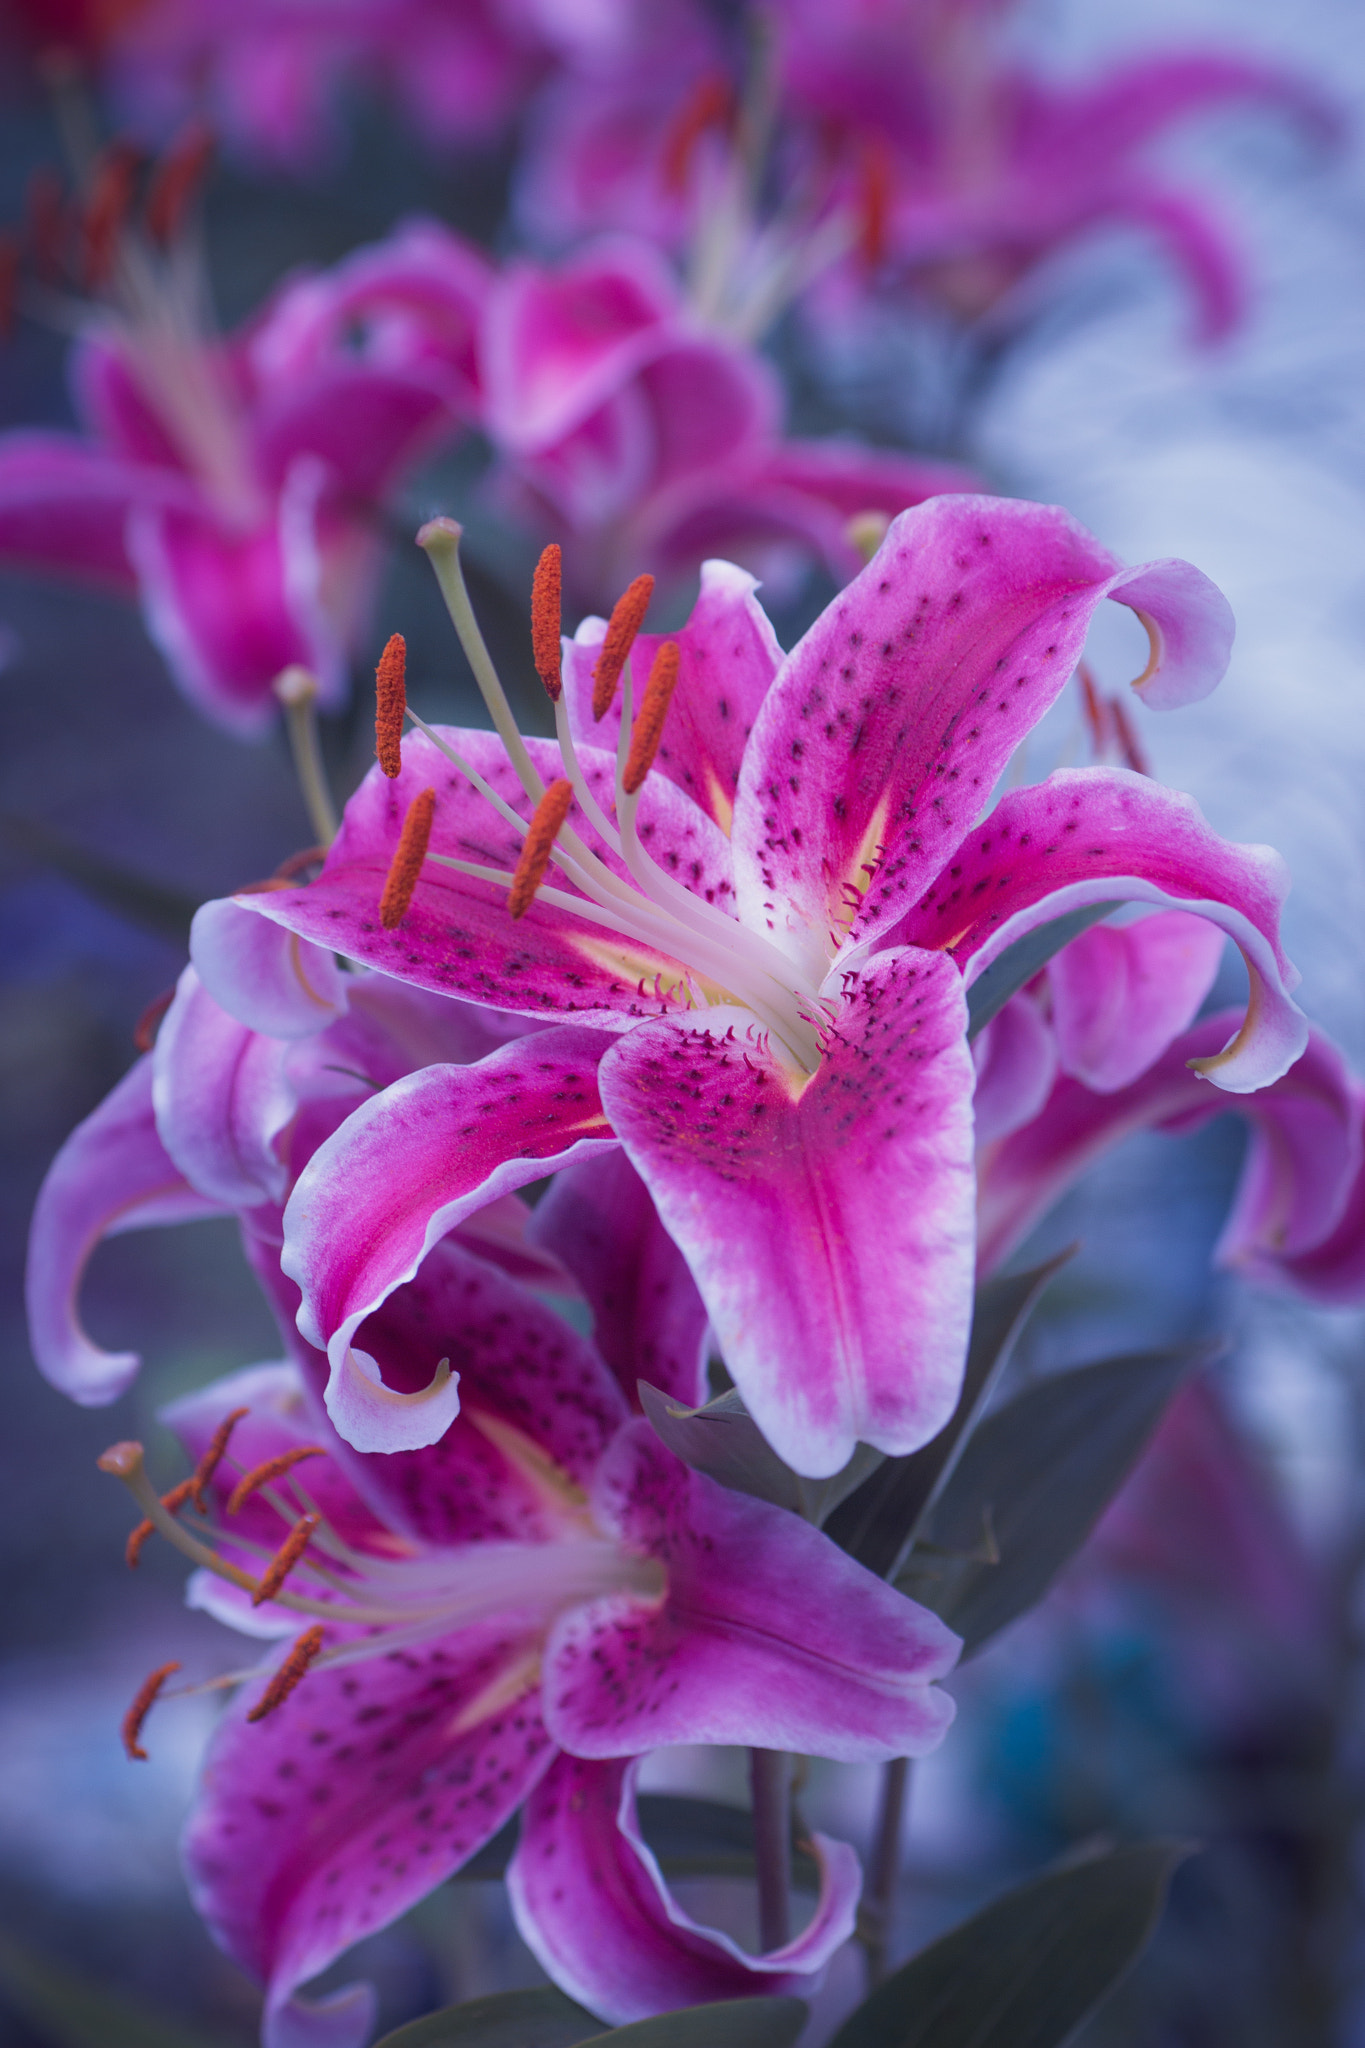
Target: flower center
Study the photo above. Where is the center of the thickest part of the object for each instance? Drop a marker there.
(410, 1596)
(715, 960)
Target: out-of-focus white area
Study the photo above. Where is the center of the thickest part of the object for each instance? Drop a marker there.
(1249, 460)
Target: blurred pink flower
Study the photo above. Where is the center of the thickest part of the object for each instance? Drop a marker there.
(237, 485)
(638, 438)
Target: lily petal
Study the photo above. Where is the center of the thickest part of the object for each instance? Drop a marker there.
(828, 1223)
(1120, 995)
(767, 1633)
(266, 978)
(112, 1174)
(1016, 1065)
(592, 1905)
(881, 739)
(403, 1170)
(649, 1322)
(222, 1099)
(369, 1785)
(1090, 834)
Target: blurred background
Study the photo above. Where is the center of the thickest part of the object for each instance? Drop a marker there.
(1197, 1671)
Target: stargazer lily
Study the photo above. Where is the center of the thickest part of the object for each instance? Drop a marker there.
(760, 950)
(547, 1578)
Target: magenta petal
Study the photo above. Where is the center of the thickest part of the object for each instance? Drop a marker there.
(537, 1409)
(829, 1228)
(265, 977)
(592, 1905)
(1120, 995)
(767, 1633)
(222, 1098)
(456, 938)
(112, 1174)
(403, 1170)
(1016, 1064)
(1088, 835)
(728, 656)
(344, 2019)
(880, 741)
(370, 1785)
(1301, 1166)
(649, 1322)
(64, 506)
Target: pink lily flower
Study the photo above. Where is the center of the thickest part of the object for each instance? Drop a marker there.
(761, 961)
(971, 170)
(649, 443)
(236, 487)
(546, 1581)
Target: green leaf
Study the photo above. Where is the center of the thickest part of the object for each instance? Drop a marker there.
(879, 1522)
(508, 2019)
(690, 1837)
(1018, 964)
(723, 1441)
(1033, 1481)
(71, 2012)
(738, 2023)
(1030, 1968)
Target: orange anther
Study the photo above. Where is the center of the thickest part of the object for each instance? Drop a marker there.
(628, 615)
(141, 1707)
(710, 104)
(172, 1502)
(1094, 708)
(149, 1023)
(649, 726)
(538, 845)
(406, 866)
(213, 1457)
(390, 704)
(284, 1560)
(546, 599)
(264, 1473)
(107, 209)
(177, 180)
(874, 201)
(1130, 746)
(289, 1674)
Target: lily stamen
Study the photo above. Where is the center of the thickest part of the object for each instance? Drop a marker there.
(538, 846)
(284, 1560)
(146, 1698)
(290, 1674)
(391, 701)
(406, 865)
(546, 607)
(270, 1468)
(213, 1457)
(627, 617)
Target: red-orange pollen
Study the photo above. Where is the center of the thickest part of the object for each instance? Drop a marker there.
(176, 182)
(390, 704)
(284, 1560)
(538, 845)
(268, 1470)
(141, 1707)
(628, 615)
(874, 201)
(107, 210)
(649, 725)
(406, 865)
(710, 104)
(289, 1674)
(172, 1502)
(547, 587)
(213, 1457)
